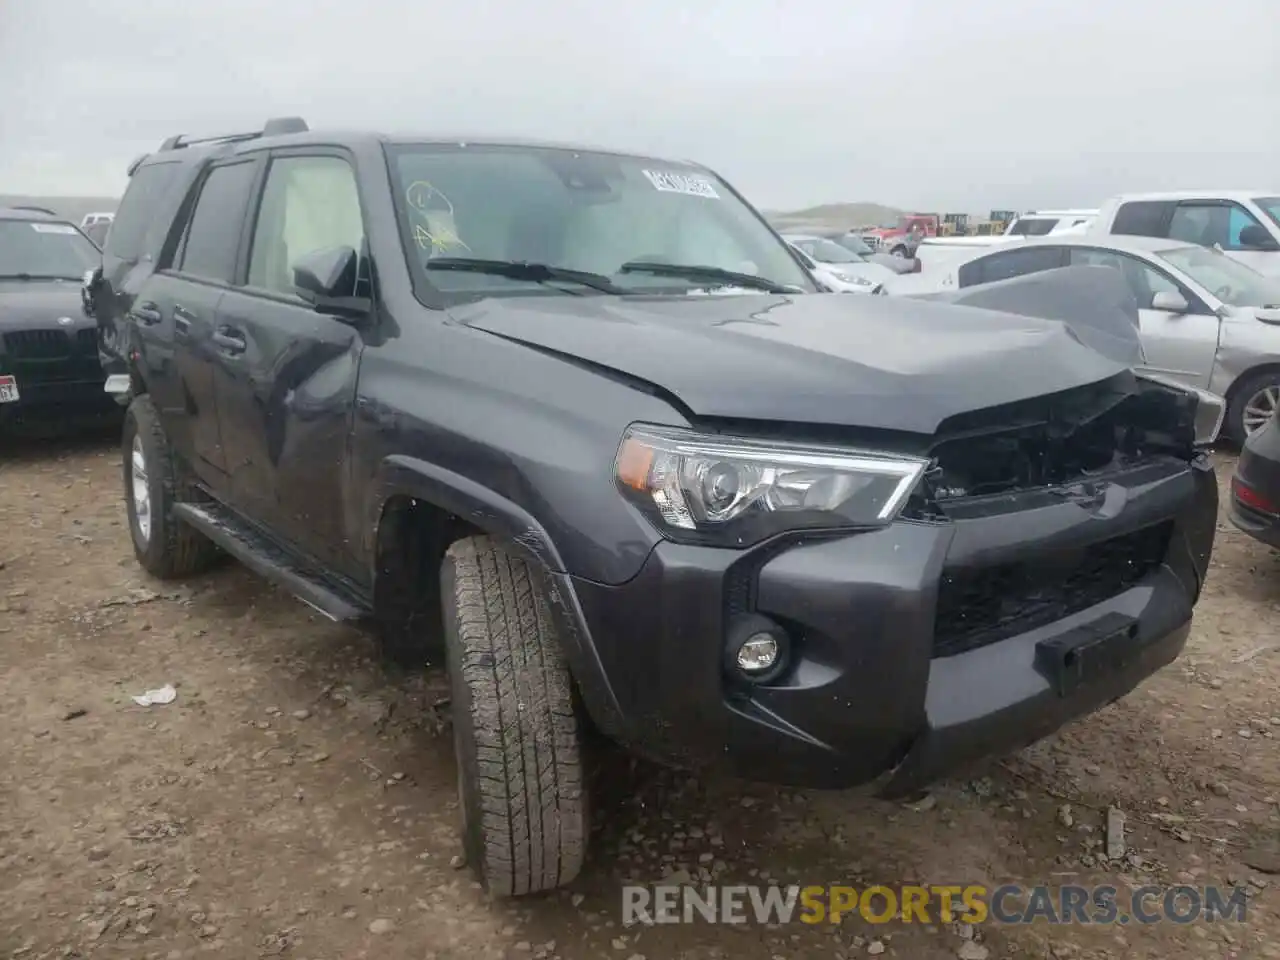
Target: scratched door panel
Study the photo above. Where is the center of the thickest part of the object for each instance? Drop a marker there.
(286, 400)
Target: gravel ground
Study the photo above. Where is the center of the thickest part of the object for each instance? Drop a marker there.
(297, 799)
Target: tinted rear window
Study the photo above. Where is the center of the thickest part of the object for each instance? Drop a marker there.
(1033, 227)
(213, 236)
(147, 188)
(1142, 218)
(1010, 264)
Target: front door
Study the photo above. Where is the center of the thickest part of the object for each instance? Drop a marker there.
(287, 375)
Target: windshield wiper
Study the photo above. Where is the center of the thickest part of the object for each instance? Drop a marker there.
(525, 270)
(39, 276)
(686, 271)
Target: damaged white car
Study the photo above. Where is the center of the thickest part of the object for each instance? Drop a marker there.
(1206, 320)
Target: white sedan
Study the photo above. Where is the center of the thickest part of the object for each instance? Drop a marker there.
(1206, 320)
(838, 267)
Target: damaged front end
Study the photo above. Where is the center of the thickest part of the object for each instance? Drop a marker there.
(1053, 442)
(1120, 452)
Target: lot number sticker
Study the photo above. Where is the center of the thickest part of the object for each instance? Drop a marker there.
(8, 389)
(686, 183)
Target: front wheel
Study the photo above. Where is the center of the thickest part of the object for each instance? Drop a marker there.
(899, 252)
(516, 733)
(154, 481)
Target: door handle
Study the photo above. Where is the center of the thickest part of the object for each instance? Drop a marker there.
(147, 313)
(182, 318)
(230, 340)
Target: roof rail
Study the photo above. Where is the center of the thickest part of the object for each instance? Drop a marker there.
(27, 206)
(272, 128)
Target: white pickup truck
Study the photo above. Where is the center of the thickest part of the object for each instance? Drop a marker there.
(1244, 224)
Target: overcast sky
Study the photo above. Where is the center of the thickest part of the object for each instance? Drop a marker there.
(934, 104)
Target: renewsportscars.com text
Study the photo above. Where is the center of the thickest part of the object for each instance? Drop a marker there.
(1010, 903)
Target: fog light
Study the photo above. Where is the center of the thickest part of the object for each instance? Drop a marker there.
(758, 654)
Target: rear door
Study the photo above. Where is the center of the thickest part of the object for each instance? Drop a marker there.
(287, 374)
(128, 256)
(173, 316)
(1178, 345)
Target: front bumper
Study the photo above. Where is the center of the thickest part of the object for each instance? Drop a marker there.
(889, 685)
(57, 374)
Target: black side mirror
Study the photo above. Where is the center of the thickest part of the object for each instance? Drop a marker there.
(1256, 237)
(326, 279)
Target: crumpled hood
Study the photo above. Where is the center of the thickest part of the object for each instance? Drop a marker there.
(1095, 301)
(877, 362)
(28, 304)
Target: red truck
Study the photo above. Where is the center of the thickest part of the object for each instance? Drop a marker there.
(902, 238)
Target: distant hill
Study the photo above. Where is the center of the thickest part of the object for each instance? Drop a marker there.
(73, 208)
(835, 216)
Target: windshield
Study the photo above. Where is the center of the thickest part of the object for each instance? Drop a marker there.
(1270, 206)
(44, 249)
(826, 251)
(1229, 280)
(594, 213)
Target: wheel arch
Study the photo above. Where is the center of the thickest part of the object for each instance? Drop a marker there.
(418, 499)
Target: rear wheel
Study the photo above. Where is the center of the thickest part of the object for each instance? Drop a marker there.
(519, 749)
(154, 481)
(1253, 403)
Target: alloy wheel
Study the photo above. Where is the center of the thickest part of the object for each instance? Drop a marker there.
(141, 491)
(1260, 408)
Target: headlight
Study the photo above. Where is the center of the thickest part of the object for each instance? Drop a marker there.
(736, 492)
(852, 278)
(1211, 409)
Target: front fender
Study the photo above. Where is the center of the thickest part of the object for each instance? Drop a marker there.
(497, 516)
(465, 499)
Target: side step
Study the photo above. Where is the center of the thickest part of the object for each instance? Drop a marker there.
(264, 556)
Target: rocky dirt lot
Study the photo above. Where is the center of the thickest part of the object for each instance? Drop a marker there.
(299, 800)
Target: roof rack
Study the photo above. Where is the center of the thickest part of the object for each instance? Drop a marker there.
(27, 206)
(272, 128)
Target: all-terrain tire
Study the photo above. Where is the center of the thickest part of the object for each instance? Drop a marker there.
(519, 750)
(170, 549)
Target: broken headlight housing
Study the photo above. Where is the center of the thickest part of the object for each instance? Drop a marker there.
(1210, 409)
(725, 491)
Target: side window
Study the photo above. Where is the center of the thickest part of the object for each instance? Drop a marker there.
(147, 188)
(1145, 281)
(212, 240)
(1239, 219)
(1010, 264)
(309, 204)
(1142, 218)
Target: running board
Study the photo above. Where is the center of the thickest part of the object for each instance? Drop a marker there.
(263, 556)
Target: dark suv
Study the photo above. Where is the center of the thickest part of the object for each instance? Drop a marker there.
(49, 371)
(579, 417)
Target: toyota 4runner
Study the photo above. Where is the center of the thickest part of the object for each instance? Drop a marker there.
(582, 418)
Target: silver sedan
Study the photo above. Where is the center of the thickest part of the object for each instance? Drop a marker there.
(1206, 319)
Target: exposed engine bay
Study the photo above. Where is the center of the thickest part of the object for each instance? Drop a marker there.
(1058, 440)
